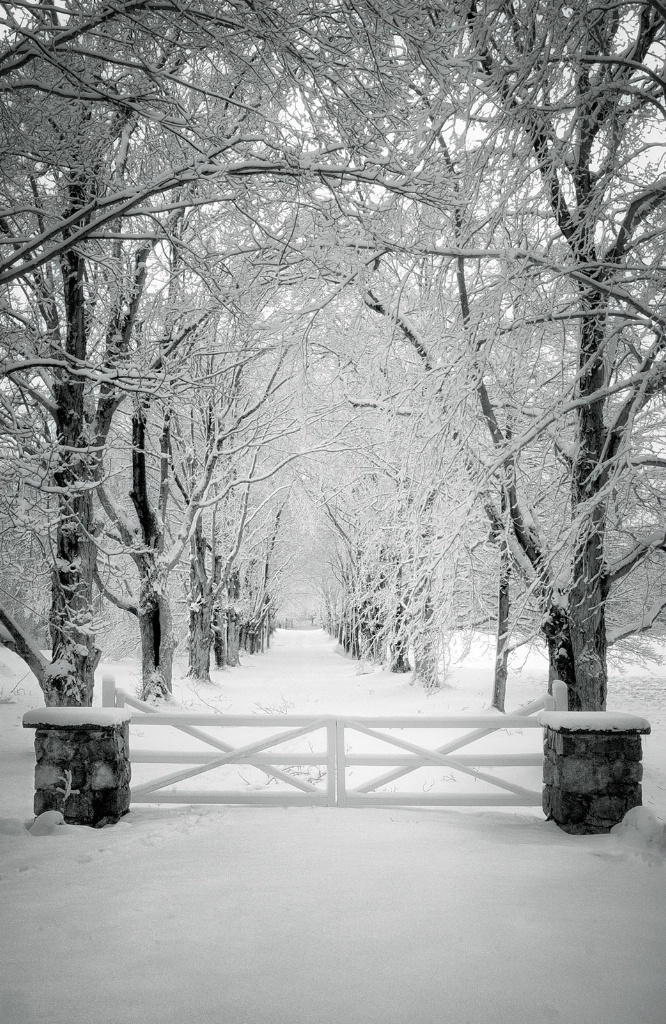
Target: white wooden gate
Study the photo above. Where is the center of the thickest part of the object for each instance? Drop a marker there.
(296, 768)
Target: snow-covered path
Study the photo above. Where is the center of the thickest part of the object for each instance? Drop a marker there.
(244, 915)
(261, 916)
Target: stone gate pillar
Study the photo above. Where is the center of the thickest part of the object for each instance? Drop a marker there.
(592, 768)
(83, 767)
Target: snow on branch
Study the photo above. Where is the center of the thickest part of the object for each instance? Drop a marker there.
(654, 542)
(116, 514)
(125, 604)
(641, 207)
(642, 625)
(408, 330)
(368, 403)
(25, 648)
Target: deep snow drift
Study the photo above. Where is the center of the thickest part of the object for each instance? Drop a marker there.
(261, 915)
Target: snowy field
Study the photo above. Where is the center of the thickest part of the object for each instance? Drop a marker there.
(267, 915)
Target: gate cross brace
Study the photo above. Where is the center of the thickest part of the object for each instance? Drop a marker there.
(250, 748)
(398, 773)
(271, 770)
(433, 757)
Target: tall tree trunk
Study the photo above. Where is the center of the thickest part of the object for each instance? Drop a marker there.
(575, 623)
(219, 618)
(501, 652)
(155, 621)
(201, 609)
(503, 610)
(587, 600)
(70, 678)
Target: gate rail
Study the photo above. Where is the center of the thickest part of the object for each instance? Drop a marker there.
(404, 758)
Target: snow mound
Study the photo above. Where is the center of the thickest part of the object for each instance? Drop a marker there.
(49, 823)
(12, 827)
(641, 833)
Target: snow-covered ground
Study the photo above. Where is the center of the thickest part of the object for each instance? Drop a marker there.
(267, 915)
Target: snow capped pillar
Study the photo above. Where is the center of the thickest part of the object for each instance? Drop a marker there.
(83, 767)
(592, 768)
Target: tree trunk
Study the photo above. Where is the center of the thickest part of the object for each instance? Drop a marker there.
(587, 600)
(219, 637)
(157, 642)
(219, 618)
(503, 609)
(575, 623)
(399, 657)
(558, 639)
(201, 609)
(200, 634)
(426, 650)
(399, 647)
(587, 623)
(233, 638)
(155, 622)
(70, 678)
(426, 668)
(355, 646)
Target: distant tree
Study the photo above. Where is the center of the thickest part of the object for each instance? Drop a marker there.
(189, 460)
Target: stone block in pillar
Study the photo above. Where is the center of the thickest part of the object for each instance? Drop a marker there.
(592, 768)
(82, 763)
